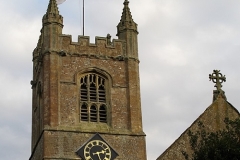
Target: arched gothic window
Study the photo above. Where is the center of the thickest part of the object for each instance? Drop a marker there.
(93, 105)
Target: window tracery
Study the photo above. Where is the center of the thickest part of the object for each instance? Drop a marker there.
(93, 104)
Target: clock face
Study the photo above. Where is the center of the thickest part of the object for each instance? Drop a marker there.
(97, 149)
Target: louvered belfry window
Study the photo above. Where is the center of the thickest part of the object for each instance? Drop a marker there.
(93, 106)
(84, 112)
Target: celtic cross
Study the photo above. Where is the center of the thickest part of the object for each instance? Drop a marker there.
(217, 78)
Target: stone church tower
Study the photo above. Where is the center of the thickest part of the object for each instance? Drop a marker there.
(80, 89)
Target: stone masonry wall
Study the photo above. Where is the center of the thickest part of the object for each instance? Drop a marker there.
(62, 68)
(69, 89)
(102, 58)
(63, 145)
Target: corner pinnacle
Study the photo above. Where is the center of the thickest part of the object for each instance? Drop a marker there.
(52, 7)
(126, 15)
(52, 15)
(126, 2)
(126, 21)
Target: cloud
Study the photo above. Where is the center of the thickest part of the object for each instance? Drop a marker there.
(180, 43)
(14, 116)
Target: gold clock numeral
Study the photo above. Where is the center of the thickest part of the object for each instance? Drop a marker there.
(97, 142)
(88, 158)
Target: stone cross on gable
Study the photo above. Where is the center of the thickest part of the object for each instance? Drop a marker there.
(217, 78)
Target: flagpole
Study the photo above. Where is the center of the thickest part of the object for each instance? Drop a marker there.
(83, 17)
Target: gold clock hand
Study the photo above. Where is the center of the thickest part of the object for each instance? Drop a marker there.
(99, 153)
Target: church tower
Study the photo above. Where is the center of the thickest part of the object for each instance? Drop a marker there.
(82, 90)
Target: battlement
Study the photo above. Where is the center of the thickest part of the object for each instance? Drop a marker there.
(103, 46)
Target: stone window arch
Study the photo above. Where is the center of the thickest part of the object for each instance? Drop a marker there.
(93, 98)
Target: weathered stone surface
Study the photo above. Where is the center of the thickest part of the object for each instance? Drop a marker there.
(58, 65)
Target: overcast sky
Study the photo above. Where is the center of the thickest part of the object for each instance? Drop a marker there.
(180, 43)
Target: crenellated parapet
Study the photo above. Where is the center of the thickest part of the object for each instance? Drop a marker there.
(103, 48)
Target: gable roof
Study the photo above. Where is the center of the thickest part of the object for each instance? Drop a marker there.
(213, 120)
